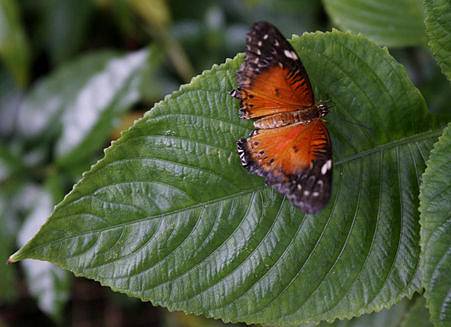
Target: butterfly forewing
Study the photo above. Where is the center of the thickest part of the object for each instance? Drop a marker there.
(291, 147)
(272, 78)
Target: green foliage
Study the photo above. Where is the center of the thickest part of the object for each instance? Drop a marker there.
(65, 22)
(436, 230)
(52, 292)
(7, 289)
(14, 48)
(45, 103)
(83, 100)
(438, 27)
(386, 22)
(170, 216)
(418, 315)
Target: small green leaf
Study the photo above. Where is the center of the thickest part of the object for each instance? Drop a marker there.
(41, 110)
(435, 208)
(46, 282)
(14, 48)
(89, 118)
(155, 13)
(8, 290)
(170, 216)
(82, 100)
(386, 22)
(438, 28)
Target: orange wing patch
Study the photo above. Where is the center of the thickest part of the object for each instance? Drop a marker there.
(275, 90)
(289, 150)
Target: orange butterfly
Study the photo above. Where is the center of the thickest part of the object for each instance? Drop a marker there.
(290, 146)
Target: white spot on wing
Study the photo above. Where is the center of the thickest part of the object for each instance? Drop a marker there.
(326, 167)
(290, 54)
(265, 36)
(306, 193)
(259, 43)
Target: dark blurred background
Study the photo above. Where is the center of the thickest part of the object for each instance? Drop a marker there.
(42, 39)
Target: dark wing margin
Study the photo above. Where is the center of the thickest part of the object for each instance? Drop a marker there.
(310, 190)
(305, 178)
(267, 48)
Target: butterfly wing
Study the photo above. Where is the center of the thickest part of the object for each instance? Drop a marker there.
(296, 160)
(272, 78)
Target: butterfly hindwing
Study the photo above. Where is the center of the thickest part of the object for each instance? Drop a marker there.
(296, 160)
(272, 77)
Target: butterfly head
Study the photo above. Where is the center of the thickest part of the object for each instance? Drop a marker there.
(323, 108)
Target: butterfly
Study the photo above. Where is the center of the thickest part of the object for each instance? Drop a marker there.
(290, 146)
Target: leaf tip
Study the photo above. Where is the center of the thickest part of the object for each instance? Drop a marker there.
(18, 255)
(13, 259)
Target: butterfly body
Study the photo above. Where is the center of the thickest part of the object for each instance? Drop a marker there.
(290, 146)
(302, 116)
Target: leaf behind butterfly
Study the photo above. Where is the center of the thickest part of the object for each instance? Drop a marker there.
(390, 23)
(435, 221)
(170, 216)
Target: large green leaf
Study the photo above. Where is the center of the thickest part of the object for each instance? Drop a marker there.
(169, 215)
(438, 28)
(83, 100)
(435, 208)
(14, 48)
(387, 22)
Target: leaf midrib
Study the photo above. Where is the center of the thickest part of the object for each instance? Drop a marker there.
(383, 147)
(390, 145)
